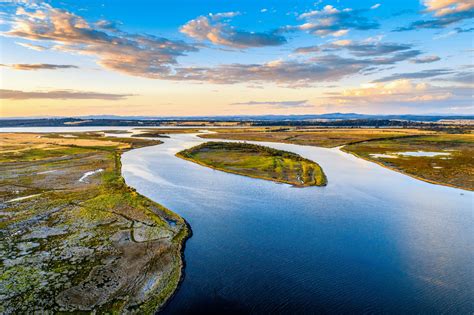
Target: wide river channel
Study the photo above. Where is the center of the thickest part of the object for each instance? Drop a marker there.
(372, 240)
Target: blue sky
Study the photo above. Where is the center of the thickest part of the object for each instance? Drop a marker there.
(236, 57)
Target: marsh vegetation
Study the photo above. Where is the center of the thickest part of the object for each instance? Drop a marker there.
(164, 132)
(257, 161)
(446, 159)
(306, 136)
(433, 156)
(72, 245)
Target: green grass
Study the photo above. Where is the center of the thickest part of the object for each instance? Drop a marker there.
(257, 161)
(455, 170)
(41, 154)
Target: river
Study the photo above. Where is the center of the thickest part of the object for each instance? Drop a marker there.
(373, 240)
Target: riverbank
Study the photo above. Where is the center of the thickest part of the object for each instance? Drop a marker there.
(366, 214)
(442, 159)
(257, 162)
(320, 137)
(82, 245)
(452, 166)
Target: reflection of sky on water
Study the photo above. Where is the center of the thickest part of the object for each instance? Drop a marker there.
(373, 239)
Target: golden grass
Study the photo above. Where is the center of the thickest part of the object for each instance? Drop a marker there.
(315, 137)
(34, 140)
(456, 169)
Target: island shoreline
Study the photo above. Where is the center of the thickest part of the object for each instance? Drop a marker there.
(292, 184)
(402, 172)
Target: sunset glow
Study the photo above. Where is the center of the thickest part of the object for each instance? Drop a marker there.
(68, 58)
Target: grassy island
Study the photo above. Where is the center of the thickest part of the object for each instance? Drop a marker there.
(74, 238)
(163, 132)
(258, 162)
(445, 159)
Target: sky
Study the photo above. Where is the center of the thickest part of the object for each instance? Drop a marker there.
(220, 57)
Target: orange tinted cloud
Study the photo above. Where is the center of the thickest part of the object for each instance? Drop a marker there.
(59, 94)
(139, 55)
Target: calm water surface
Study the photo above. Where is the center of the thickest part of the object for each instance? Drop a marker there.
(373, 240)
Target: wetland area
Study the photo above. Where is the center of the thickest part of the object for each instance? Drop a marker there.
(74, 236)
(372, 240)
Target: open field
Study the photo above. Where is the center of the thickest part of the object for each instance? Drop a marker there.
(204, 123)
(316, 137)
(257, 161)
(163, 132)
(451, 162)
(74, 236)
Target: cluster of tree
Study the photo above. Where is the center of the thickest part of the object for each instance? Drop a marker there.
(347, 123)
(74, 122)
(350, 123)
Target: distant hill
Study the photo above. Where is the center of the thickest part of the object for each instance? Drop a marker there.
(322, 119)
(285, 117)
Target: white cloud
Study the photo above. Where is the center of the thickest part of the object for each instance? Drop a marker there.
(446, 13)
(401, 91)
(140, 55)
(426, 59)
(38, 66)
(32, 46)
(447, 7)
(59, 94)
(212, 28)
(334, 22)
